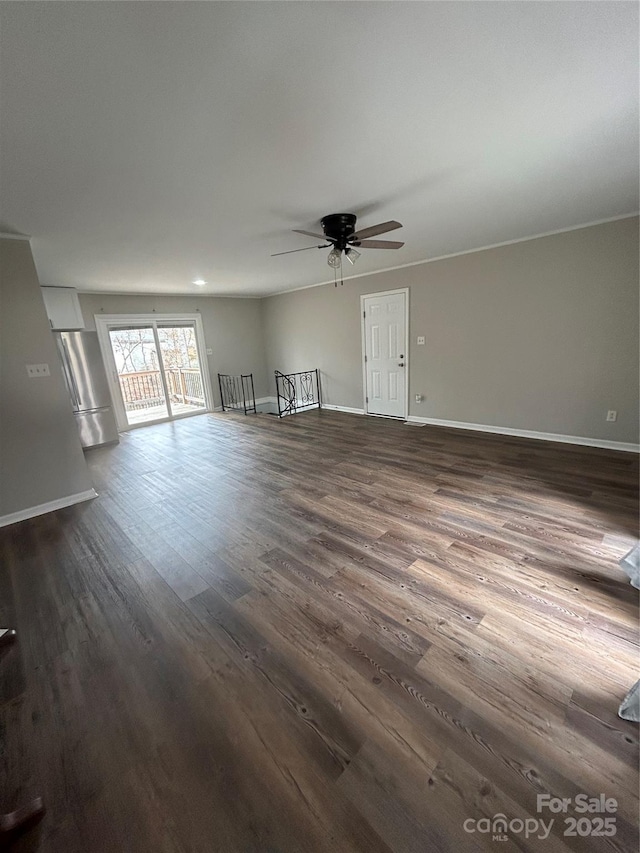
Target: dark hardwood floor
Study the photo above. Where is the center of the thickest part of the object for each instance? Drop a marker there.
(327, 633)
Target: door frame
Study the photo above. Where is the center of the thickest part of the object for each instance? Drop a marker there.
(105, 321)
(363, 339)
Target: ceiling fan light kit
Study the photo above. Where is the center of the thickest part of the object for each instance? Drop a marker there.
(334, 258)
(340, 233)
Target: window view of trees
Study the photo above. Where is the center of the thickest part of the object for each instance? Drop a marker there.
(134, 350)
(178, 346)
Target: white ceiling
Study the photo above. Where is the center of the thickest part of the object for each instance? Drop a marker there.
(144, 145)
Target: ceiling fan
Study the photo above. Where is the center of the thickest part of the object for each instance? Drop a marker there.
(340, 234)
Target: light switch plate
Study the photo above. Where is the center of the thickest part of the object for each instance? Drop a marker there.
(35, 370)
(421, 341)
(209, 351)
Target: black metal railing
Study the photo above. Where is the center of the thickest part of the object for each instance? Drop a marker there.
(237, 393)
(297, 391)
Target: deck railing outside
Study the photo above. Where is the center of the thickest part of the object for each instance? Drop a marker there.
(143, 389)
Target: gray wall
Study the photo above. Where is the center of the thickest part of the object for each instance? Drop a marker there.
(232, 328)
(41, 459)
(540, 335)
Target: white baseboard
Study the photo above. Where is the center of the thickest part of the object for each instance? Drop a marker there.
(347, 409)
(50, 506)
(526, 433)
(273, 401)
(261, 401)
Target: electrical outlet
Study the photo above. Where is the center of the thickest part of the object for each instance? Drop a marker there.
(35, 370)
(418, 398)
(209, 351)
(612, 415)
(421, 341)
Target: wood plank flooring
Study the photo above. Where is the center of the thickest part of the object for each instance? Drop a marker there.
(326, 633)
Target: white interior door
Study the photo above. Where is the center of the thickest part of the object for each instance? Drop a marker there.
(385, 351)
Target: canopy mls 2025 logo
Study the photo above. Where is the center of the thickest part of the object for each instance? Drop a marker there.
(594, 818)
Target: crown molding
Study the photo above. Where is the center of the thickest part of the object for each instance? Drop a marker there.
(5, 235)
(182, 293)
(465, 252)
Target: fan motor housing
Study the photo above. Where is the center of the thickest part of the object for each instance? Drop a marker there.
(339, 226)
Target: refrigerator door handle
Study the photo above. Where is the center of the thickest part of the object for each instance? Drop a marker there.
(72, 379)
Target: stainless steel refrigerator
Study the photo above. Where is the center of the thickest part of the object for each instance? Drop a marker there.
(86, 380)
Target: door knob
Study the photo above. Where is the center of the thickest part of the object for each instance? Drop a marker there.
(401, 364)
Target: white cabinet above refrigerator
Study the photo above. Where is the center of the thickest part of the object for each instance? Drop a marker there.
(63, 308)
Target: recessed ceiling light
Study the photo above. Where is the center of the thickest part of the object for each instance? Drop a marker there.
(200, 282)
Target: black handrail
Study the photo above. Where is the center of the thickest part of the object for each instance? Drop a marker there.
(296, 391)
(237, 393)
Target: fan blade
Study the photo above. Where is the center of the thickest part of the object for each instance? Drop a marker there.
(382, 228)
(311, 234)
(380, 244)
(291, 251)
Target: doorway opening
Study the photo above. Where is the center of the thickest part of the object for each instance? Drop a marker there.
(156, 368)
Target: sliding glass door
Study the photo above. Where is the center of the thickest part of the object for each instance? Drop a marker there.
(179, 352)
(137, 358)
(156, 368)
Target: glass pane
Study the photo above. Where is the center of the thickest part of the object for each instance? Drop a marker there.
(182, 367)
(138, 366)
